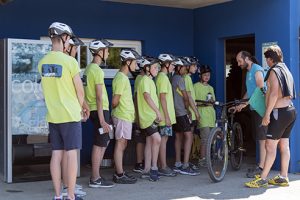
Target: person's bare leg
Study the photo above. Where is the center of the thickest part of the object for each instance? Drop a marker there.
(178, 142)
(55, 169)
(271, 148)
(156, 139)
(148, 154)
(64, 169)
(140, 148)
(285, 156)
(120, 146)
(163, 152)
(188, 141)
(97, 157)
(262, 153)
(72, 171)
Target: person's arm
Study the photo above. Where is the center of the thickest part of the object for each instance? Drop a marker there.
(163, 101)
(115, 100)
(99, 103)
(79, 88)
(271, 97)
(85, 111)
(152, 105)
(193, 105)
(186, 100)
(136, 109)
(259, 79)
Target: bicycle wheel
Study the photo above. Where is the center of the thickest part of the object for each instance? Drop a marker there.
(236, 149)
(217, 155)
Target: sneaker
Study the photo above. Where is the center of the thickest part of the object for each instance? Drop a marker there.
(124, 179)
(79, 187)
(100, 183)
(257, 183)
(167, 172)
(145, 175)
(202, 162)
(77, 192)
(252, 172)
(194, 167)
(279, 181)
(177, 169)
(138, 168)
(76, 198)
(130, 176)
(188, 171)
(153, 175)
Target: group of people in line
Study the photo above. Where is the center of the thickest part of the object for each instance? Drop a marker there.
(163, 102)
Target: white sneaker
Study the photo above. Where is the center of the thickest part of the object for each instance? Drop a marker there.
(77, 186)
(78, 192)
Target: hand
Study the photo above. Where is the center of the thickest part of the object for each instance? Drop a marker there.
(105, 127)
(240, 107)
(168, 121)
(158, 117)
(266, 120)
(85, 114)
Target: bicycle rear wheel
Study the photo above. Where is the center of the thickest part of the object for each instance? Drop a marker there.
(217, 155)
(236, 149)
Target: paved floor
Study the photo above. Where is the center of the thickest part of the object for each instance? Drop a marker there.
(179, 188)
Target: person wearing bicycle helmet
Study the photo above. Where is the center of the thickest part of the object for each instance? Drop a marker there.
(166, 107)
(97, 99)
(254, 78)
(149, 116)
(205, 92)
(123, 112)
(74, 44)
(182, 127)
(64, 96)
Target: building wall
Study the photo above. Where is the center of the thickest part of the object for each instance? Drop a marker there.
(268, 20)
(160, 29)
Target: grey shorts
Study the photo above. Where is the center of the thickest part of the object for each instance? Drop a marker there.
(103, 139)
(65, 136)
(165, 131)
(204, 134)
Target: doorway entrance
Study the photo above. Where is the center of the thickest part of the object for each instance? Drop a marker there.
(236, 87)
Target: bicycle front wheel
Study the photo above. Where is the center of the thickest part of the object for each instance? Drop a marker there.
(217, 154)
(236, 149)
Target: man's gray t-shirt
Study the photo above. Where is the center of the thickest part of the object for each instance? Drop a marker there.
(177, 86)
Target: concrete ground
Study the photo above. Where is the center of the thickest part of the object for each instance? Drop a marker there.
(180, 188)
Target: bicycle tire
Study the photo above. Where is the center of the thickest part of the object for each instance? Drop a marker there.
(216, 155)
(236, 149)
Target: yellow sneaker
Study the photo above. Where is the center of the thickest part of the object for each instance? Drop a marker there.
(257, 183)
(279, 181)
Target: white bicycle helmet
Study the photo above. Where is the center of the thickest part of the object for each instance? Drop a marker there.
(191, 60)
(164, 57)
(129, 54)
(96, 45)
(178, 62)
(75, 41)
(147, 61)
(57, 29)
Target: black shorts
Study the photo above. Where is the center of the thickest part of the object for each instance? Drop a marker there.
(259, 131)
(65, 136)
(103, 139)
(138, 135)
(182, 124)
(194, 124)
(150, 130)
(281, 122)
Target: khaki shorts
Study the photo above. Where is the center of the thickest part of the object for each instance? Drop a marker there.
(123, 129)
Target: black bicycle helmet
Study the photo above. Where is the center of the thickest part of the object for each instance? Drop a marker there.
(204, 69)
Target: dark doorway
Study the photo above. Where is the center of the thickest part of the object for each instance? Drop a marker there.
(236, 87)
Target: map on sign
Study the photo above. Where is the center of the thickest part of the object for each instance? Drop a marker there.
(28, 108)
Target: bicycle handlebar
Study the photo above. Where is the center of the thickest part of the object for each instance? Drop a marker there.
(217, 103)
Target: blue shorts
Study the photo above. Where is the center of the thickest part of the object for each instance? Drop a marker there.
(65, 136)
(165, 131)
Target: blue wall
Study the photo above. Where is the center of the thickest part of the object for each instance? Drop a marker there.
(268, 20)
(160, 29)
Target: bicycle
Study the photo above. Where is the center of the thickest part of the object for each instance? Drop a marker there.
(226, 139)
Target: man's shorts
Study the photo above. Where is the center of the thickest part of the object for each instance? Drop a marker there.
(138, 135)
(182, 124)
(204, 134)
(165, 131)
(123, 129)
(150, 130)
(65, 136)
(281, 122)
(103, 139)
(257, 129)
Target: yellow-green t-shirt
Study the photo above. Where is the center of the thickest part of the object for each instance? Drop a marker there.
(57, 72)
(207, 113)
(190, 88)
(125, 109)
(137, 82)
(94, 75)
(163, 85)
(146, 115)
